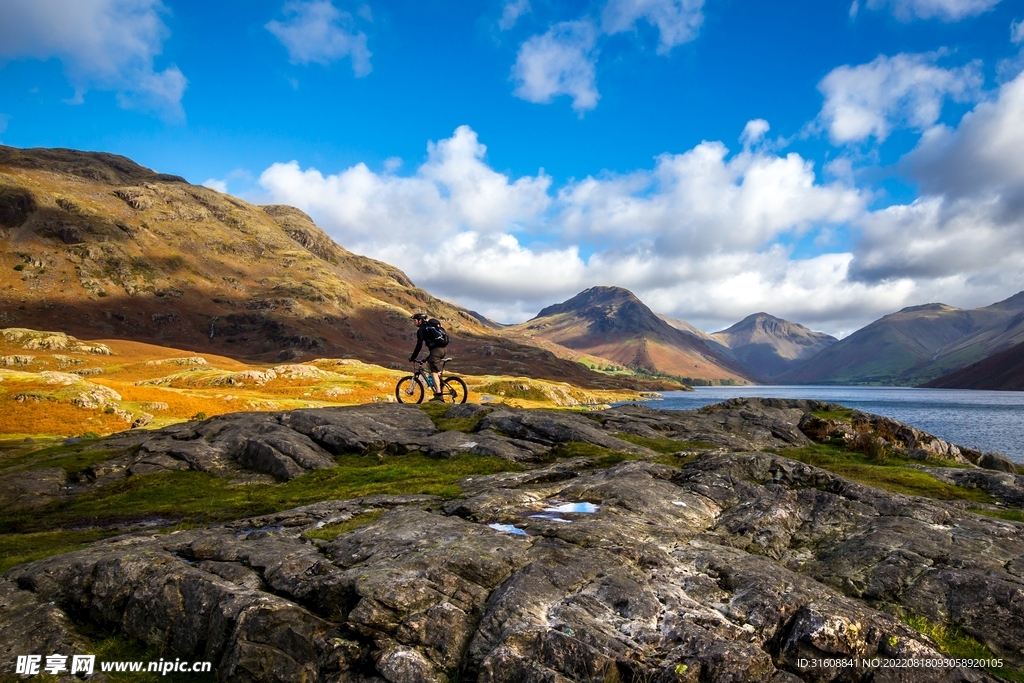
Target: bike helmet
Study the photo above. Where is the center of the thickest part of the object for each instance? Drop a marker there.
(419, 316)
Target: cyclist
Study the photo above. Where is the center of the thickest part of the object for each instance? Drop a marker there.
(430, 333)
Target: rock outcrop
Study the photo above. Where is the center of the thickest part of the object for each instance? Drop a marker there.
(735, 565)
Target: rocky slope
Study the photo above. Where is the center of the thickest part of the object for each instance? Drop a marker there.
(768, 346)
(734, 564)
(97, 246)
(915, 345)
(1003, 371)
(610, 322)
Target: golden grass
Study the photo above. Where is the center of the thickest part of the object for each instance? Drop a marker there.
(149, 382)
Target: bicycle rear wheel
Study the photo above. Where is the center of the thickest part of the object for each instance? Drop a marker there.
(455, 390)
(409, 390)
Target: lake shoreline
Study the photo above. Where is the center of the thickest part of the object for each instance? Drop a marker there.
(980, 419)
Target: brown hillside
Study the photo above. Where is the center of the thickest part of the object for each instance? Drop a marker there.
(97, 246)
(1003, 372)
(610, 322)
(769, 346)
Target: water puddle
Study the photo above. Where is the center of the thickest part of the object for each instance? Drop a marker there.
(508, 529)
(584, 508)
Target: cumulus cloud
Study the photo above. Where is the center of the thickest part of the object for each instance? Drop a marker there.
(982, 157)
(1017, 32)
(317, 31)
(700, 235)
(102, 44)
(678, 21)
(754, 131)
(559, 62)
(944, 10)
(966, 232)
(907, 90)
(511, 12)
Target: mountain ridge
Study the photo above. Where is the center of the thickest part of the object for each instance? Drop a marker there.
(100, 247)
(769, 346)
(915, 345)
(612, 323)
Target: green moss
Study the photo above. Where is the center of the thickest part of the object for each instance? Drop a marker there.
(894, 475)
(955, 643)
(1012, 515)
(332, 531)
(18, 549)
(200, 497)
(514, 389)
(663, 445)
(603, 458)
(845, 414)
(436, 412)
(72, 457)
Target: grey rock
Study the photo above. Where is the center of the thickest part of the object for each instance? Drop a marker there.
(997, 461)
(27, 489)
(736, 566)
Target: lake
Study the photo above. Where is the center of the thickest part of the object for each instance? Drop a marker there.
(982, 420)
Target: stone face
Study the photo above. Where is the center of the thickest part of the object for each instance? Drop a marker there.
(738, 565)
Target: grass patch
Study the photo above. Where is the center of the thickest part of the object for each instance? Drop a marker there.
(117, 648)
(894, 475)
(18, 549)
(957, 644)
(845, 414)
(436, 412)
(513, 389)
(663, 445)
(1011, 515)
(332, 531)
(198, 497)
(602, 457)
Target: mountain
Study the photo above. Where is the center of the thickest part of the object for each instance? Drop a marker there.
(611, 323)
(769, 346)
(1003, 371)
(94, 245)
(915, 345)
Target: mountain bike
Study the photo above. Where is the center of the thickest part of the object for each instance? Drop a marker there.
(411, 389)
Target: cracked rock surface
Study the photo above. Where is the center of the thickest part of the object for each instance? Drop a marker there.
(736, 566)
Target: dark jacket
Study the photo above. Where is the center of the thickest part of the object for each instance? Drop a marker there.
(420, 339)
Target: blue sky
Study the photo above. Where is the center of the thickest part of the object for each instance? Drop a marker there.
(827, 162)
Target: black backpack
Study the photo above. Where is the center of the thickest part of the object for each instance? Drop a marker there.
(434, 335)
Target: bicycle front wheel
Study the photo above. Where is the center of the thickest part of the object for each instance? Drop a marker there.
(455, 390)
(409, 390)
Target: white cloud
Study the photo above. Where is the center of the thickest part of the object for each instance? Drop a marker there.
(944, 10)
(102, 44)
(702, 235)
(511, 12)
(907, 90)
(317, 31)
(983, 157)
(964, 237)
(1017, 32)
(696, 231)
(678, 21)
(214, 184)
(700, 202)
(559, 62)
(754, 131)
(4, 119)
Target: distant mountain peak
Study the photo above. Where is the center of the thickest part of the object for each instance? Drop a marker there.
(612, 323)
(769, 346)
(928, 307)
